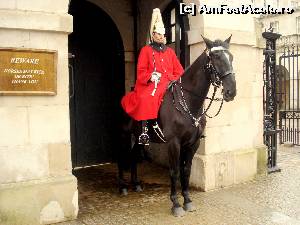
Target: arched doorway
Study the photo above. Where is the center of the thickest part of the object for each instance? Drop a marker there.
(96, 84)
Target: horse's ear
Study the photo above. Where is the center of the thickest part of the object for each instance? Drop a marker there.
(228, 39)
(209, 43)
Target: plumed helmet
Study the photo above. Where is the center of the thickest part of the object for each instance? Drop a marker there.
(157, 24)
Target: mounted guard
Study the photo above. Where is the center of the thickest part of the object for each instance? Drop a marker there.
(157, 67)
(179, 110)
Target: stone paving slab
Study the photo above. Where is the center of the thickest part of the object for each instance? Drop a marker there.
(268, 200)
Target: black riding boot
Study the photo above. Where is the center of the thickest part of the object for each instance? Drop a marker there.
(144, 138)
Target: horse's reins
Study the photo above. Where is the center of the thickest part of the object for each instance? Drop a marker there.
(215, 80)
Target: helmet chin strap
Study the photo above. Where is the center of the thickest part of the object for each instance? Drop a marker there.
(163, 41)
(159, 41)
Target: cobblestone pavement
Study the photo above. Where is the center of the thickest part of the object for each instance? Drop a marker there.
(268, 200)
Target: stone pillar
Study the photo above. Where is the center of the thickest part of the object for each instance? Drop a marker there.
(234, 139)
(36, 183)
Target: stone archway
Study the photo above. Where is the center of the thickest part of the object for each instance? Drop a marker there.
(97, 81)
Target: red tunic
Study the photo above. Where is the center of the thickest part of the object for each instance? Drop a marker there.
(139, 103)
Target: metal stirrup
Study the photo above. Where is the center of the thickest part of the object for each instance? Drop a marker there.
(144, 137)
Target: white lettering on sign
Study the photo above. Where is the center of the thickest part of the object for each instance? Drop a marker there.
(25, 60)
(29, 76)
(19, 71)
(19, 81)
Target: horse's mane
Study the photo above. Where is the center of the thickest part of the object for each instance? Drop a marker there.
(194, 63)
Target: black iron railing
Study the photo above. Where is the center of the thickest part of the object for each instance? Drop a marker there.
(288, 89)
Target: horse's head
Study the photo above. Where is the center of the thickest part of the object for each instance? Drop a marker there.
(221, 61)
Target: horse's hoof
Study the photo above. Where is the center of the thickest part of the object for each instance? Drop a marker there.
(189, 207)
(138, 188)
(123, 192)
(178, 211)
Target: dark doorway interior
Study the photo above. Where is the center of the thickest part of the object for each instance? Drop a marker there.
(96, 84)
(176, 31)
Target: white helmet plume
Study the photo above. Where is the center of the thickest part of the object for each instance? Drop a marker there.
(157, 24)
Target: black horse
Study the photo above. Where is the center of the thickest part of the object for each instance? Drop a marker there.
(182, 119)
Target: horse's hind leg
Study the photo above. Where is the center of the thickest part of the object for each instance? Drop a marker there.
(123, 188)
(136, 154)
(134, 179)
(174, 155)
(123, 160)
(185, 172)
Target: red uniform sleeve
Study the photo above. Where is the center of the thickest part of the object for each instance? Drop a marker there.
(177, 67)
(143, 73)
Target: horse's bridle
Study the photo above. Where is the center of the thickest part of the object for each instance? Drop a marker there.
(215, 76)
(215, 80)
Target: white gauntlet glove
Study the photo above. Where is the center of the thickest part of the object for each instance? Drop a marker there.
(155, 77)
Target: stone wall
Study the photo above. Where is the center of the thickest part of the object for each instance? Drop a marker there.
(35, 136)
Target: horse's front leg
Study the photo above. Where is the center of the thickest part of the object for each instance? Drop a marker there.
(185, 172)
(174, 155)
